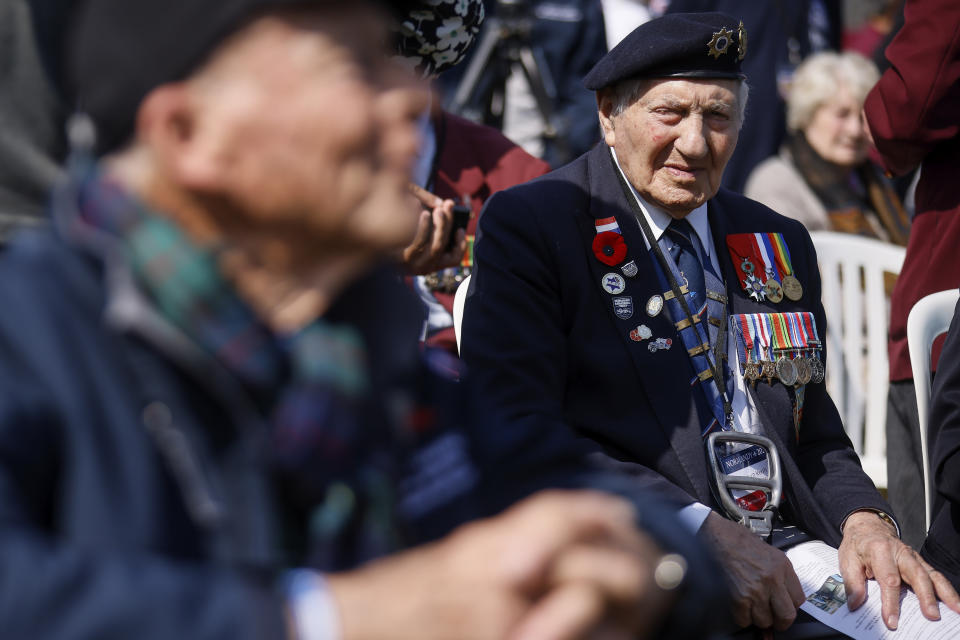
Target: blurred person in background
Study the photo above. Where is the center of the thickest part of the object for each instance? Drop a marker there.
(459, 160)
(912, 117)
(822, 175)
(213, 407)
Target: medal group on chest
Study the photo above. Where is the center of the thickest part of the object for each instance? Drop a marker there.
(782, 347)
(762, 261)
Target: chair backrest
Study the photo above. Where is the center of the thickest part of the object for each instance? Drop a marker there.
(854, 297)
(929, 318)
(458, 300)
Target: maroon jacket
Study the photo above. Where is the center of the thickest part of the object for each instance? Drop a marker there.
(474, 160)
(914, 115)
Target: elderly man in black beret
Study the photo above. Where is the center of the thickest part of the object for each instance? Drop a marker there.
(628, 302)
(213, 405)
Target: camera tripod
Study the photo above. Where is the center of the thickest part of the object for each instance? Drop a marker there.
(505, 44)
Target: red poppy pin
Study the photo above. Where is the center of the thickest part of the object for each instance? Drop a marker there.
(610, 248)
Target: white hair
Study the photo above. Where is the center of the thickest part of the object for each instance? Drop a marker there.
(819, 77)
(629, 91)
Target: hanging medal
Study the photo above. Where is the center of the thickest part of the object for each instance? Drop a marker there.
(813, 339)
(791, 286)
(747, 347)
(748, 264)
(804, 371)
(763, 332)
(786, 371)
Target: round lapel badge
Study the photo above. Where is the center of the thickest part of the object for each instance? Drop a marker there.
(613, 283)
(654, 305)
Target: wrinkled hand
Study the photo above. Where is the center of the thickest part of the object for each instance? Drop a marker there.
(427, 253)
(559, 565)
(766, 591)
(871, 549)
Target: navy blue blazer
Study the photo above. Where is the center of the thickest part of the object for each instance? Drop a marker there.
(942, 546)
(554, 363)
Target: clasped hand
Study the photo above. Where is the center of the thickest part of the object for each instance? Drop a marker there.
(559, 565)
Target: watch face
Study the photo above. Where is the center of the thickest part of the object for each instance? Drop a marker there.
(886, 518)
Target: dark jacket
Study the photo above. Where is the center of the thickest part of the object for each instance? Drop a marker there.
(942, 546)
(553, 362)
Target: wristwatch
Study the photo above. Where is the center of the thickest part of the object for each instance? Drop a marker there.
(889, 520)
(886, 517)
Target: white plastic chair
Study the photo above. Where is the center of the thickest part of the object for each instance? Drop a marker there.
(929, 318)
(458, 300)
(857, 308)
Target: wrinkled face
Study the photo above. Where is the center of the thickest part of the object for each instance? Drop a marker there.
(836, 130)
(310, 131)
(674, 142)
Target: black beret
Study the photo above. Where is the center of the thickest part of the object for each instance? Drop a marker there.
(120, 50)
(682, 45)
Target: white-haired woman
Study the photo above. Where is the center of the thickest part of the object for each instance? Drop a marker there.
(822, 175)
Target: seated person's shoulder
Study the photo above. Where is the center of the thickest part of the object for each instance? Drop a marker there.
(548, 199)
(40, 274)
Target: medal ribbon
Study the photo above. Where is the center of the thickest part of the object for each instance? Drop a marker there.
(796, 331)
(744, 245)
(766, 255)
(782, 253)
(781, 332)
(745, 344)
(763, 332)
(810, 324)
(775, 271)
(606, 224)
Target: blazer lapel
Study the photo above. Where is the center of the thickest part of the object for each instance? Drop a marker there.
(664, 373)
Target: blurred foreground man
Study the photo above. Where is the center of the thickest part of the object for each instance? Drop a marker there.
(209, 387)
(629, 300)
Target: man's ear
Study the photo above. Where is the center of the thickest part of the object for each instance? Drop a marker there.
(605, 111)
(167, 122)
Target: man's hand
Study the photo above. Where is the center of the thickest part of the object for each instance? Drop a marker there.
(766, 591)
(427, 253)
(871, 549)
(558, 565)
